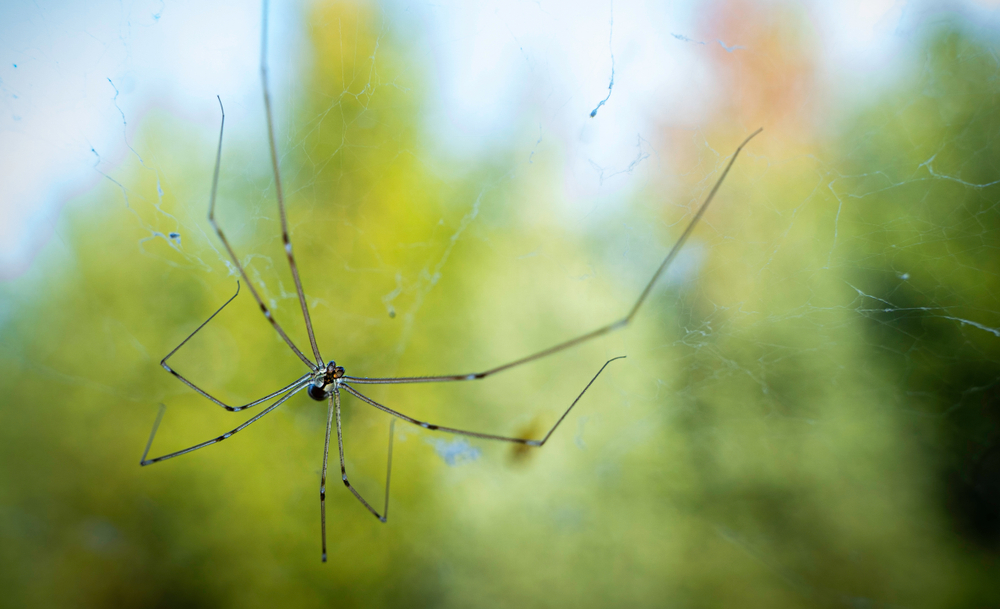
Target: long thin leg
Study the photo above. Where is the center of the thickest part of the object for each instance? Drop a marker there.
(343, 468)
(621, 323)
(476, 434)
(224, 436)
(322, 480)
(335, 407)
(266, 398)
(388, 470)
(232, 254)
(163, 362)
(277, 187)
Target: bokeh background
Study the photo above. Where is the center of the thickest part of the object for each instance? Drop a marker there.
(809, 411)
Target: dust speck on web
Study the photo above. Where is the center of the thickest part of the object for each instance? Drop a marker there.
(454, 452)
(611, 84)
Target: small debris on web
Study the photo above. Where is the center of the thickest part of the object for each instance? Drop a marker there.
(537, 142)
(684, 38)
(611, 85)
(730, 49)
(455, 451)
(124, 125)
(605, 173)
(388, 298)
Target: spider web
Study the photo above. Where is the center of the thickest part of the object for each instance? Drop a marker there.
(807, 414)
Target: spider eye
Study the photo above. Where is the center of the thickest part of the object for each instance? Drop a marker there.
(316, 392)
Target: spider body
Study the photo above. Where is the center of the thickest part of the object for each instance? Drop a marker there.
(325, 381)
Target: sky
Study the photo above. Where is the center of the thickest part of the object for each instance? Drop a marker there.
(77, 79)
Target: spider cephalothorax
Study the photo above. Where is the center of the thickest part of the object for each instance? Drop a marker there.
(325, 381)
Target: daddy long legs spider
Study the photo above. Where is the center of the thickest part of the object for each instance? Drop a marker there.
(324, 381)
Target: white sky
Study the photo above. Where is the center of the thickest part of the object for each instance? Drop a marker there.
(488, 59)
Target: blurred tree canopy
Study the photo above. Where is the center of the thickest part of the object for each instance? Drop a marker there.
(812, 420)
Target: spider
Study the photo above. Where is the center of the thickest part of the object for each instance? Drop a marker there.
(325, 381)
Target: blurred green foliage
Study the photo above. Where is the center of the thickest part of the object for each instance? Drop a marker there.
(812, 422)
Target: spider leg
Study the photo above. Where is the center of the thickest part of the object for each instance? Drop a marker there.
(333, 412)
(476, 434)
(322, 480)
(621, 323)
(277, 187)
(229, 408)
(388, 470)
(232, 254)
(163, 362)
(225, 436)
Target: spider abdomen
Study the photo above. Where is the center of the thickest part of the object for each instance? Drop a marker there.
(316, 392)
